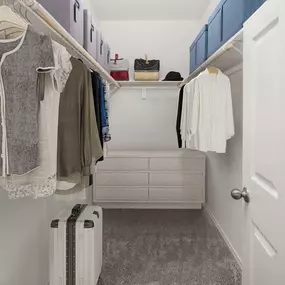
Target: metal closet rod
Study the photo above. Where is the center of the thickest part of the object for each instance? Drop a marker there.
(50, 23)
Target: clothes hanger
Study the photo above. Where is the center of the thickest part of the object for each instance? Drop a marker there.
(10, 28)
(213, 70)
(13, 18)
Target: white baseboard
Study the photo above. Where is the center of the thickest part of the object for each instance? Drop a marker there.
(229, 244)
(148, 205)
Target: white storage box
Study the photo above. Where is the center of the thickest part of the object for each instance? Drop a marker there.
(69, 13)
(90, 34)
(100, 48)
(107, 57)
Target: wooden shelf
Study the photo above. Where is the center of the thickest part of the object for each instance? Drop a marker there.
(227, 57)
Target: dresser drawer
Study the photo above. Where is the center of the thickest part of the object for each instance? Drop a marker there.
(178, 164)
(121, 194)
(176, 179)
(121, 179)
(122, 164)
(177, 194)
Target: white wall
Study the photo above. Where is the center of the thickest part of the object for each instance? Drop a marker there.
(224, 172)
(168, 41)
(24, 237)
(124, 10)
(138, 124)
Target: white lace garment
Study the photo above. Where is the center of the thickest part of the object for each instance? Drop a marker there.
(41, 182)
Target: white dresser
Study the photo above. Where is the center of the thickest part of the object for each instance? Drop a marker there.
(146, 179)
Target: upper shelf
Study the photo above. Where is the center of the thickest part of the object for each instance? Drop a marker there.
(38, 16)
(150, 84)
(228, 56)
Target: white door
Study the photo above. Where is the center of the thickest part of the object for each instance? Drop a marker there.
(264, 145)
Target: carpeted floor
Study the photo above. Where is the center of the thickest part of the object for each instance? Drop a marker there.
(165, 247)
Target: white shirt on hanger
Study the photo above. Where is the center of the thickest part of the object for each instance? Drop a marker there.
(212, 112)
(188, 139)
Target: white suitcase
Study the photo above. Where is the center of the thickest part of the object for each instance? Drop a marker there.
(76, 246)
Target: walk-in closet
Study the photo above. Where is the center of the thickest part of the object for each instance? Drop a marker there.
(142, 142)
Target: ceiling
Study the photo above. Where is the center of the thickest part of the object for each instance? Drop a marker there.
(123, 10)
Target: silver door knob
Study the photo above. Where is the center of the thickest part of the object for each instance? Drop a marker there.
(238, 194)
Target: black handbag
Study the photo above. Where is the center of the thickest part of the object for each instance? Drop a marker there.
(147, 65)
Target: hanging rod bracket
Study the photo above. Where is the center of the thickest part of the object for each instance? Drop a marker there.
(237, 46)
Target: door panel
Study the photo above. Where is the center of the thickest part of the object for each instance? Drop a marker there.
(263, 147)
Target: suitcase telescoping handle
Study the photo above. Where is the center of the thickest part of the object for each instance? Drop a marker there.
(75, 8)
(77, 210)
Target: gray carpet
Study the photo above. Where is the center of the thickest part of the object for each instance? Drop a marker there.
(165, 247)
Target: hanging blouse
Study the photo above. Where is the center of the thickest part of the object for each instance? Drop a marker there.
(208, 114)
(78, 137)
(20, 61)
(41, 182)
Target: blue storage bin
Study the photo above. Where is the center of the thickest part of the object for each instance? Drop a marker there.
(235, 13)
(233, 17)
(215, 32)
(199, 49)
(202, 46)
(227, 20)
(193, 57)
(251, 6)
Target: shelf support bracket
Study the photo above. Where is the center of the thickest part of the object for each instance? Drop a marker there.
(144, 93)
(238, 47)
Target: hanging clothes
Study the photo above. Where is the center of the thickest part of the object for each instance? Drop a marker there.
(179, 114)
(208, 114)
(103, 108)
(106, 128)
(41, 182)
(78, 137)
(97, 105)
(20, 61)
(189, 140)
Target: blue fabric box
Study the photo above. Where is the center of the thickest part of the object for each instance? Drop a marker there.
(227, 20)
(235, 13)
(251, 6)
(199, 49)
(215, 32)
(193, 57)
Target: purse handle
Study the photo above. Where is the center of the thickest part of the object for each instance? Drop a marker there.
(146, 59)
